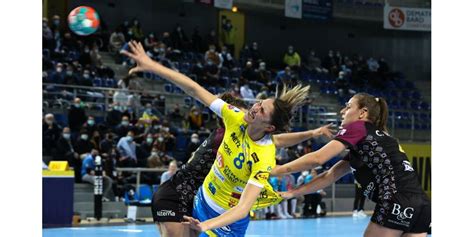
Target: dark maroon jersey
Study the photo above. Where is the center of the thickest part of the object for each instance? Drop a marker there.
(378, 162)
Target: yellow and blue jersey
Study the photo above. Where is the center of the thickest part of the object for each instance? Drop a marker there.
(239, 161)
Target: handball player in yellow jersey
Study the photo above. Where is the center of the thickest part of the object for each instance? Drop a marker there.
(238, 180)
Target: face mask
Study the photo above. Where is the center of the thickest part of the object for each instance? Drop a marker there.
(129, 138)
(66, 136)
(149, 140)
(156, 50)
(84, 136)
(59, 70)
(154, 153)
(86, 51)
(166, 129)
(195, 113)
(305, 173)
(255, 47)
(161, 139)
(300, 148)
(90, 122)
(290, 51)
(56, 22)
(262, 68)
(69, 73)
(194, 140)
(86, 76)
(45, 24)
(117, 107)
(212, 50)
(125, 123)
(148, 111)
(157, 127)
(49, 122)
(77, 105)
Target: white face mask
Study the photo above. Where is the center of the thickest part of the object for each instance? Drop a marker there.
(194, 140)
(84, 136)
(161, 139)
(154, 153)
(66, 136)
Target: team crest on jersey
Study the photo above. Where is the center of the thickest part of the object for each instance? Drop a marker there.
(262, 175)
(231, 107)
(269, 168)
(407, 166)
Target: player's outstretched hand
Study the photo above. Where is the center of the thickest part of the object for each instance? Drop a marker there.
(286, 195)
(194, 224)
(137, 53)
(327, 130)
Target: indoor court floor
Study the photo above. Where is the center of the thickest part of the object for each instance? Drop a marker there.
(326, 226)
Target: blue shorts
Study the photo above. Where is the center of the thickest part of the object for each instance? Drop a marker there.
(203, 212)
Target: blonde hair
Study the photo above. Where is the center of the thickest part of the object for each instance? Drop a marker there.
(285, 104)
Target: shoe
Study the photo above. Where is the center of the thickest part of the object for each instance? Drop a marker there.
(355, 213)
(288, 216)
(104, 199)
(362, 214)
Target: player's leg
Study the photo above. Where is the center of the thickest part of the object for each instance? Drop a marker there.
(376, 230)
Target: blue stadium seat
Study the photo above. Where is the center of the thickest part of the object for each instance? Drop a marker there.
(169, 88)
(145, 192)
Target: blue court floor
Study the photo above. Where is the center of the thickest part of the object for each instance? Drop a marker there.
(326, 226)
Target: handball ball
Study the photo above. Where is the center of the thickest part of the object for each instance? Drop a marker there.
(83, 20)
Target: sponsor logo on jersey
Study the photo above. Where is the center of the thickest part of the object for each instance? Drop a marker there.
(341, 132)
(269, 168)
(402, 214)
(220, 160)
(255, 157)
(227, 148)
(407, 166)
(218, 174)
(235, 139)
(238, 189)
(232, 202)
(262, 175)
(165, 213)
(368, 190)
(212, 188)
(236, 195)
(225, 229)
(379, 133)
(232, 177)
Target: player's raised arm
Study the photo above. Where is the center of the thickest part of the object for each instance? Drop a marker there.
(145, 63)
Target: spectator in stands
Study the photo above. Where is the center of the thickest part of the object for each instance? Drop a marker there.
(248, 73)
(229, 35)
(51, 134)
(212, 55)
(211, 74)
(107, 144)
(176, 115)
(69, 42)
(85, 56)
(127, 151)
(114, 115)
(137, 30)
(144, 150)
(197, 41)
(338, 58)
(263, 94)
(329, 61)
(116, 41)
(245, 91)
(96, 59)
(314, 63)
(155, 160)
(285, 76)
(245, 54)
(255, 53)
(263, 75)
(95, 139)
(227, 60)
(172, 168)
(70, 78)
(292, 58)
(90, 126)
(179, 38)
(192, 146)
(211, 38)
(124, 127)
(312, 200)
(342, 84)
(88, 175)
(65, 151)
(139, 130)
(150, 41)
(76, 117)
(359, 201)
(57, 76)
(148, 115)
(48, 42)
(195, 119)
(83, 144)
(372, 64)
(154, 52)
(281, 156)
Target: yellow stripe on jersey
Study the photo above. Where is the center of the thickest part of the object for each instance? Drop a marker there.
(240, 161)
